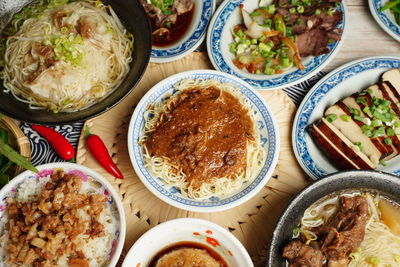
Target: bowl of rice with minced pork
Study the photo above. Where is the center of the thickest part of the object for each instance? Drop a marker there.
(64, 215)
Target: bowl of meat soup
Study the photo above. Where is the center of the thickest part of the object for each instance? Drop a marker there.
(346, 218)
(64, 215)
(178, 27)
(104, 47)
(187, 242)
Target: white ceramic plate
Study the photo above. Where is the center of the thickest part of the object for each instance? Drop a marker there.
(190, 230)
(269, 137)
(193, 37)
(344, 81)
(90, 179)
(385, 19)
(219, 37)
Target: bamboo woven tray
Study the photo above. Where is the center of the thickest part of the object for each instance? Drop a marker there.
(252, 222)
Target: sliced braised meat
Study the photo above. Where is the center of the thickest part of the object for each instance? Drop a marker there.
(314, 30)
(300, 255)
(182, 6)
(346, 230)
(58, 19)
(312, 43)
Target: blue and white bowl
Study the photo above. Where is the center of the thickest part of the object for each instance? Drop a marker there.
(219, 37)
(340, 83)
(385, 19)
(193, 37)
(267, 127)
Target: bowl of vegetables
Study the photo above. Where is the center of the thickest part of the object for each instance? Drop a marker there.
(14, 150)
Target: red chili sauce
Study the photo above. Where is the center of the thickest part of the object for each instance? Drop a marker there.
(187, 244)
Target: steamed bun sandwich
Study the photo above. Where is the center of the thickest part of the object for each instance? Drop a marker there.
(64, 55)
(362, 131)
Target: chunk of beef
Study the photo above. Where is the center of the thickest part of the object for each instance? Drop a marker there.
(300, 255)
(182, 6)
(312, 43)
(346, 230)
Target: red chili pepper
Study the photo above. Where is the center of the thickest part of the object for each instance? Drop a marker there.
(99, 151)
(60, 144)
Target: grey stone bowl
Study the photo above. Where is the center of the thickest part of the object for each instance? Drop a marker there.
(386, 184)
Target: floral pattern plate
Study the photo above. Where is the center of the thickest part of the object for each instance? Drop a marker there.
(385, 19)
(269, 137)
(187, 230)
(92, 181)
(342, 82)
(219, 37)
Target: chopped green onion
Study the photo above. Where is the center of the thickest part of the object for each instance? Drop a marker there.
(300, 9)
(296, 232)
(244, 60)
(317, 12)
(292, 10)
(359, 118)
(382, 162)
(331, 117)
(285, 62)
(269, 71)
(390, 132)
(387, 141)
(345, 118)
(255, 14)
(168, 24)
(359, 145)
(299, 21)
(362, 99)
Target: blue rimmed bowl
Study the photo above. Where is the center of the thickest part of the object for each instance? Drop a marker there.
(219, 37)
(92, 181)
(269, 137)
(385, 19)
(340, 83)
(193, 37)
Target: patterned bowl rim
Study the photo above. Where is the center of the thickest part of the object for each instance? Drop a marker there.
(383, 20)
(72, 166)
(168, 225)
(307, 106)
(238, 198)
(189, 43)
(315, 65)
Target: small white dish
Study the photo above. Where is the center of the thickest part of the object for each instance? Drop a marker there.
(219, 37)
(269, 136)
(385, 19)
(344, 81)
(91, 179)
(188, 230)
(193, 37)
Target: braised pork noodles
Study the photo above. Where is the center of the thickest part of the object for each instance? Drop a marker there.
(65, 55)
(203, 139)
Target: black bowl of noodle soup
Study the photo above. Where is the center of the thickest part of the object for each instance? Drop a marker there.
(89, 58)
(345, 219)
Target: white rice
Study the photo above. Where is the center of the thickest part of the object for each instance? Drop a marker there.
(96, 249)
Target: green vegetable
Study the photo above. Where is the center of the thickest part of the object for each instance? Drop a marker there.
(163, 5)
(264, 47)
(269, 71)
(382, 162)
(317, 12)
(67, 48)
(300, 9)
(255, 14)
(292, 10)
(285, 62)
(296, 232)
(244, 60)
(345, 118)
(359, 145)
(331, 117)
(390, 132)
(168, 24)
(15, 157)
(387, 141)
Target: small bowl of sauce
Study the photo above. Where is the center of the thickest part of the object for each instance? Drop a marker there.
(182, 242)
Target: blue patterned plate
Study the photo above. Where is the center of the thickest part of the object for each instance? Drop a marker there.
(219, 37)
(268, 134)
(192, 39)
(385, 19)
(342, 82)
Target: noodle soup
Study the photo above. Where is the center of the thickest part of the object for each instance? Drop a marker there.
(64, 56)
(347, 228)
